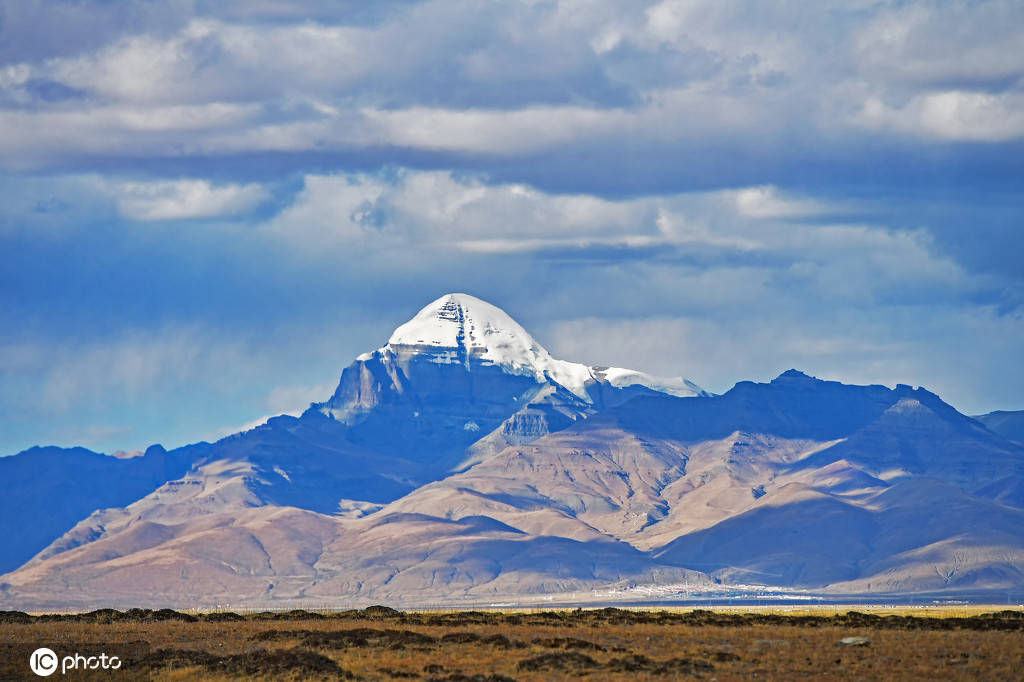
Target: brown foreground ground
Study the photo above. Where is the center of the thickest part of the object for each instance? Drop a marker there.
(601, 644)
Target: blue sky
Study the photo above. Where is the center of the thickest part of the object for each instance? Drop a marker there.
(209, 208)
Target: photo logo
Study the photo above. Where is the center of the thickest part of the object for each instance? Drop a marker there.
(43, 662)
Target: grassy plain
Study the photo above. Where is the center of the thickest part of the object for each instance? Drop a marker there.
(941, 643)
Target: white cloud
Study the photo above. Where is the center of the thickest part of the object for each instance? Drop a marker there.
(311, 86)
(766, 202)
(425, 207)
(666, 20)
(329, 209)
(494, 132)
(669, 116)
(14, 75)
(951, 115)
(521, 79)
(209, 60)
(428, 210)
(977, 42)
(510, 246)
(184, 199)
(741, 244)
(681, 226)
(31, 138)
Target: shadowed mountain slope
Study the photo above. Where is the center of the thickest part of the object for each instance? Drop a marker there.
(48, 490)
(1006, 423)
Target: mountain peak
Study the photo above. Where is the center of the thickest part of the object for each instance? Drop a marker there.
(793, 375)
(461, 321)
(459, 329)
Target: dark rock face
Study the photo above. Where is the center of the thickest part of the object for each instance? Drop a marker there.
(430, 405)
(417, 404)
(533, 423)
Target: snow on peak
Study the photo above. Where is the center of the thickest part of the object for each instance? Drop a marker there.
(464, 321)
(620, 378)
(455, 327)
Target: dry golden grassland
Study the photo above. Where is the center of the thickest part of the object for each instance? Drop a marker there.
(598, 644)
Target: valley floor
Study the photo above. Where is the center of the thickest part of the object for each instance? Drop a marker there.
(602, 644)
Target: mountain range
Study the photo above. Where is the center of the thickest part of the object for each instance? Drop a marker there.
(461, 463)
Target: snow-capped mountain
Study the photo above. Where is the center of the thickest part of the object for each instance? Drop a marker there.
(462, 371)
(461, 462)
(462, 329)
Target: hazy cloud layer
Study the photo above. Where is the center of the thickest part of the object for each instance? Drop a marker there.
(210, 208)
(509, 79)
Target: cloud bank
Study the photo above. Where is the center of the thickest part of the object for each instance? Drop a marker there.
(217, 201)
